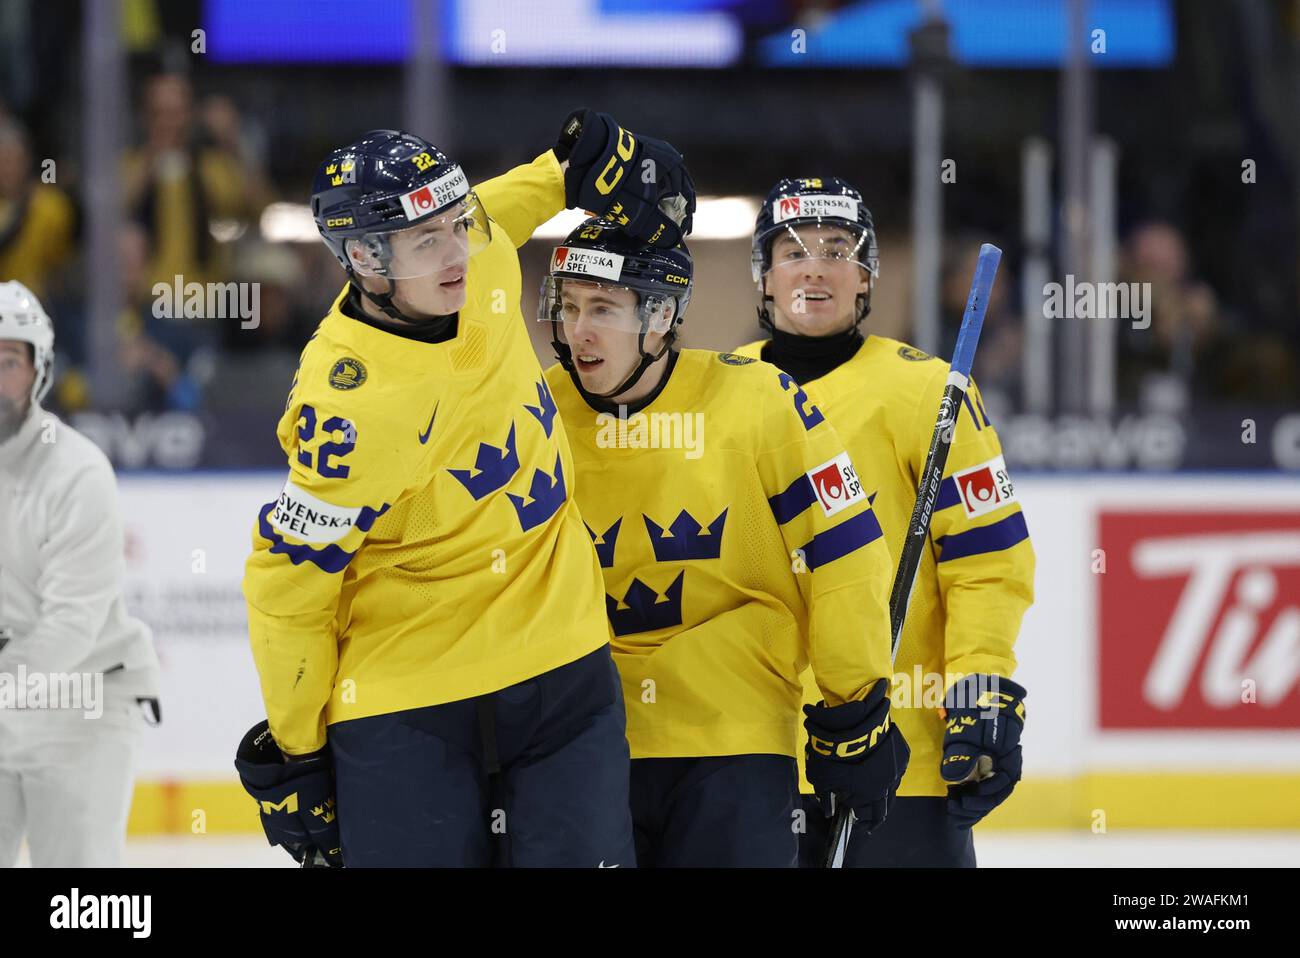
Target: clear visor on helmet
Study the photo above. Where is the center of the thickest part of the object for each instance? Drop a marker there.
(793, 246)
(574, 303)
(432, 245)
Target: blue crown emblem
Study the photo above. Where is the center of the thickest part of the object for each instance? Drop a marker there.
(645, 612)
(686, 539)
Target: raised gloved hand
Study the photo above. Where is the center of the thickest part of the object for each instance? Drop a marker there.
(636, 181)
(856, 755)
(295, 797)
(981, 745)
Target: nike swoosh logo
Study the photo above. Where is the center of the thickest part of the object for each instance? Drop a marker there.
(424, 437)
(603, 865)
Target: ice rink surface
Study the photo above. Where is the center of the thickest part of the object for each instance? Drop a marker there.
(1050, 849)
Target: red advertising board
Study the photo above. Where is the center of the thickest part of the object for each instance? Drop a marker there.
(1199, 619)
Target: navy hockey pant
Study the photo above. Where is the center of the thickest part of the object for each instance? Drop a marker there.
(721, 811)
(419, 788)
(917, 833)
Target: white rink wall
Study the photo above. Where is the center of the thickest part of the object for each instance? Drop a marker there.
(1135, 675)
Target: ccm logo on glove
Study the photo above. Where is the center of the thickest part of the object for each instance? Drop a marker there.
(624, 147)
(853, 746)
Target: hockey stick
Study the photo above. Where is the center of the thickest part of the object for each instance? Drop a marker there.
(918, 528)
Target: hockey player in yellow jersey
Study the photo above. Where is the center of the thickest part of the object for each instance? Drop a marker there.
(815, 263)
(425, 606)
(738, 545)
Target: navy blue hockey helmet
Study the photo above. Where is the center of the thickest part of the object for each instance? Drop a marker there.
(601, 254)
(386, 182)
(841, 228)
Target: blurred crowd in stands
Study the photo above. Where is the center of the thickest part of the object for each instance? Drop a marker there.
(192, 193)
(193, 186)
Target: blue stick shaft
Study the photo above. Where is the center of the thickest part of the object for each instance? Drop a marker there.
(972, 321)
(918, 529)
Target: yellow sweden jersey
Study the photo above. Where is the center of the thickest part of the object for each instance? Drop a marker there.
(976, 578)
(737, 545)
(426, 547)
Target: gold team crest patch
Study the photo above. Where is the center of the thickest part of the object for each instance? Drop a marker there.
(914, 354)
(347, 373)
(731, 359)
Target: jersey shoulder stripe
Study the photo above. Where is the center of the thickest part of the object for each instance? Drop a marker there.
(850, 535)
(793, 500)
(994, 537)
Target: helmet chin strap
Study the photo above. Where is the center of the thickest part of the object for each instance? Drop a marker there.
(647, 361)
(384, 303)
(564, 353)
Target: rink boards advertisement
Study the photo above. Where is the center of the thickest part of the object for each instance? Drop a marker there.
(1161, 655)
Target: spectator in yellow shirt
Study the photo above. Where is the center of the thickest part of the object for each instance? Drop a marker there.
(176, 186)
(37, 219)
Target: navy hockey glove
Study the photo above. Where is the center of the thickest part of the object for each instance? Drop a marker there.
(855, 754)
(981, 745)
(636, 181)
(295, 798)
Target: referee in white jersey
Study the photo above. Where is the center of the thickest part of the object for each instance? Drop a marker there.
(78, 676)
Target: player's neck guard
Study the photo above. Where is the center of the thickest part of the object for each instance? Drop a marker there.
(810, 357)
